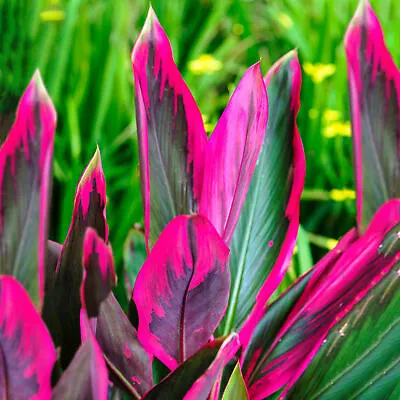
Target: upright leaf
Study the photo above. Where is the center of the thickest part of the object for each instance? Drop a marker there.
(182, 290)
(25, 185)
(232, 151)
(265, 236)
(195, 377)
(331, 293)
(27, 353)
(374, 82)
(170, 130)
(62, 302)
(119, 343)
(86, 376)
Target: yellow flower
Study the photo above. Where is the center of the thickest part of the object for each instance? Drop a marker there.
(319, 72)
(205, 64)
(342, 194)
(52, 15)
(337, 128)
(331, 115)
(209, 127)
(285, 20)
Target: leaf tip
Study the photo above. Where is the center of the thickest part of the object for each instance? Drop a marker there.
(364, 16)
(150, 32)
(94, 164)
(37, 94)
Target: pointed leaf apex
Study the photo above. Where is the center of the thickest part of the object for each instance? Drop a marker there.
(255, 69)
(37, 93)
(364, 15)
(151, 17)
(151, 25)
(290, 59)
(94, 164)
(93, 175)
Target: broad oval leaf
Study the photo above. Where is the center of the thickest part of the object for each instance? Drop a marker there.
(360, 357)
(374, 82)
(62, 302)
(25, 185)
(265, 236)
(124, 353)
(332, 291)
(27, 353)
(195, 378)
(232, 151)
(182, 290)
(170, 131)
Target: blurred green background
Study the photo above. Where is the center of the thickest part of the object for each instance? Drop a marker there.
(82, 48)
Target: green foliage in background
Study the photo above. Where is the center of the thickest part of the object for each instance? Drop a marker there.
(82, 48)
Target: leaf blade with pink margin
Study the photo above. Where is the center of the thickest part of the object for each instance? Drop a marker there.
(182, 290)
(359, 357)
(25, 186)
(232, 151)
(98, 273)
(120, 344)
(330, 294)
(195, 378)
(170, 131)
(266, 233)
(62, 302)
(27, 353)
(86, 376)
(374, 83)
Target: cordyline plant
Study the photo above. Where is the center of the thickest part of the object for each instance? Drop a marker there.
(221, 218)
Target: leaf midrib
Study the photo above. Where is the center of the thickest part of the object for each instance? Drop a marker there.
(163, 169)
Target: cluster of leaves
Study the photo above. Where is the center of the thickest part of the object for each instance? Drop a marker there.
(221, 220)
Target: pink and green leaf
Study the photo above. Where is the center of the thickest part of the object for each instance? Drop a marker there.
(170, 131)
(98, 274)
(86, 376)
(195, 378)
(27, 353)
(374, 83)
(334, 288)
(62, 303)
(25, 186)
(265, 236)
(124, 353)
(232, 152)
(359, 358)
(182, 290)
